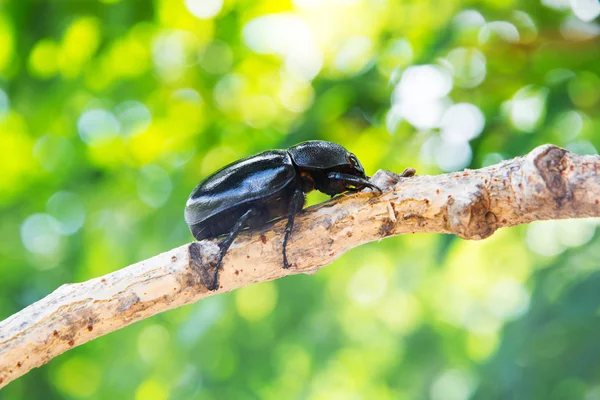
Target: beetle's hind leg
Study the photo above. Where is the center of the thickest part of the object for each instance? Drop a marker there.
(226, 243)
(296, 204)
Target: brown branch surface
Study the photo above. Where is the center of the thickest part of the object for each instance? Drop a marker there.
(548, 183)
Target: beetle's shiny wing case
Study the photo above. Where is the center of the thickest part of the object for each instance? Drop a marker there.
(243, 181)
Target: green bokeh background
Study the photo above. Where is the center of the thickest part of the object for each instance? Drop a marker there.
(112, 111)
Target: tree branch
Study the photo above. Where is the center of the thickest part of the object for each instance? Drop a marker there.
(548, 183)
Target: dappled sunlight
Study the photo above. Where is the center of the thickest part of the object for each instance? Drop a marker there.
(288, 36)
(527, 109)
(40, 234)
(550, 238)
(453, 385)
(204, 9)
(112, 111)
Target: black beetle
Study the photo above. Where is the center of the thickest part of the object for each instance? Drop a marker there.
(252, 191)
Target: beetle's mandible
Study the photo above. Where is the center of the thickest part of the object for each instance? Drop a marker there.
(252, 191)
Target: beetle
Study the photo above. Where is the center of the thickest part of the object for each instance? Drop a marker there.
(257, 189)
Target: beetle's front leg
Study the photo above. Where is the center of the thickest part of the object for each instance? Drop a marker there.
(296, 205)
(351, 180)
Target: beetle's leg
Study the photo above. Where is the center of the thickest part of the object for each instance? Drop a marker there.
(224, 245)
(348, 179)
(295, 205)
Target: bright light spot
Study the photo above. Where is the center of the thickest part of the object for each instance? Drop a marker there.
(367, 285)
(593, 393)
(575, 29)
(154, 186)
(542, 238)
(419, 97)
(202, 318)
(176, 159)
(508, 299)
(219, 154)
(400, 322)
(152, 390)
(43, 59)
(428, 150)
(54, 153)
(97, 126)
(582, 147)
(584, 90)
(79, 44)
(526, 25)
(393, 119)
(133, 116)
(469, 19)
(354, 55)
(477, 318)
(586, 10)
(68, 210)
(78, 377)
(549, 238)
(307, 4)
(4, 104)
(288, 36)
(151, 343)
(188, 94)
(216, 57)
(423, 115)
(448, 156)
(556, 4)
(204, 9)
(492, 159)
(168, 51)
(423, 83)
(8, 38)
(468, 66)
(40, 234)
(480, 347)
(395, 76)
(296, 96)
(228, 91)
(398, 54)
(462, 122)
(568, 125)
(527, 109)
(576, 232)
(259, 111)
(559, 75)
(502, 29)
(256, 302)
(172, 52)
(453, 156)
(452, 385)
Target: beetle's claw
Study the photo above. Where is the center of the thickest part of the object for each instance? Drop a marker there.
(374, 187)
(286, 265)
(215, 281)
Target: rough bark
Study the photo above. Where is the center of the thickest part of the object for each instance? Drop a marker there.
(548, 183)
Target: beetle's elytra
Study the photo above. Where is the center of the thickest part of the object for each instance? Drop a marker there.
(252, 191)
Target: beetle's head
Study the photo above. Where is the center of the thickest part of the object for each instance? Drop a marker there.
(354, 166)
(317, 160)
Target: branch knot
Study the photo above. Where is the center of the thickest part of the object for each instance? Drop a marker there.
(469, 215)
(551, 163)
